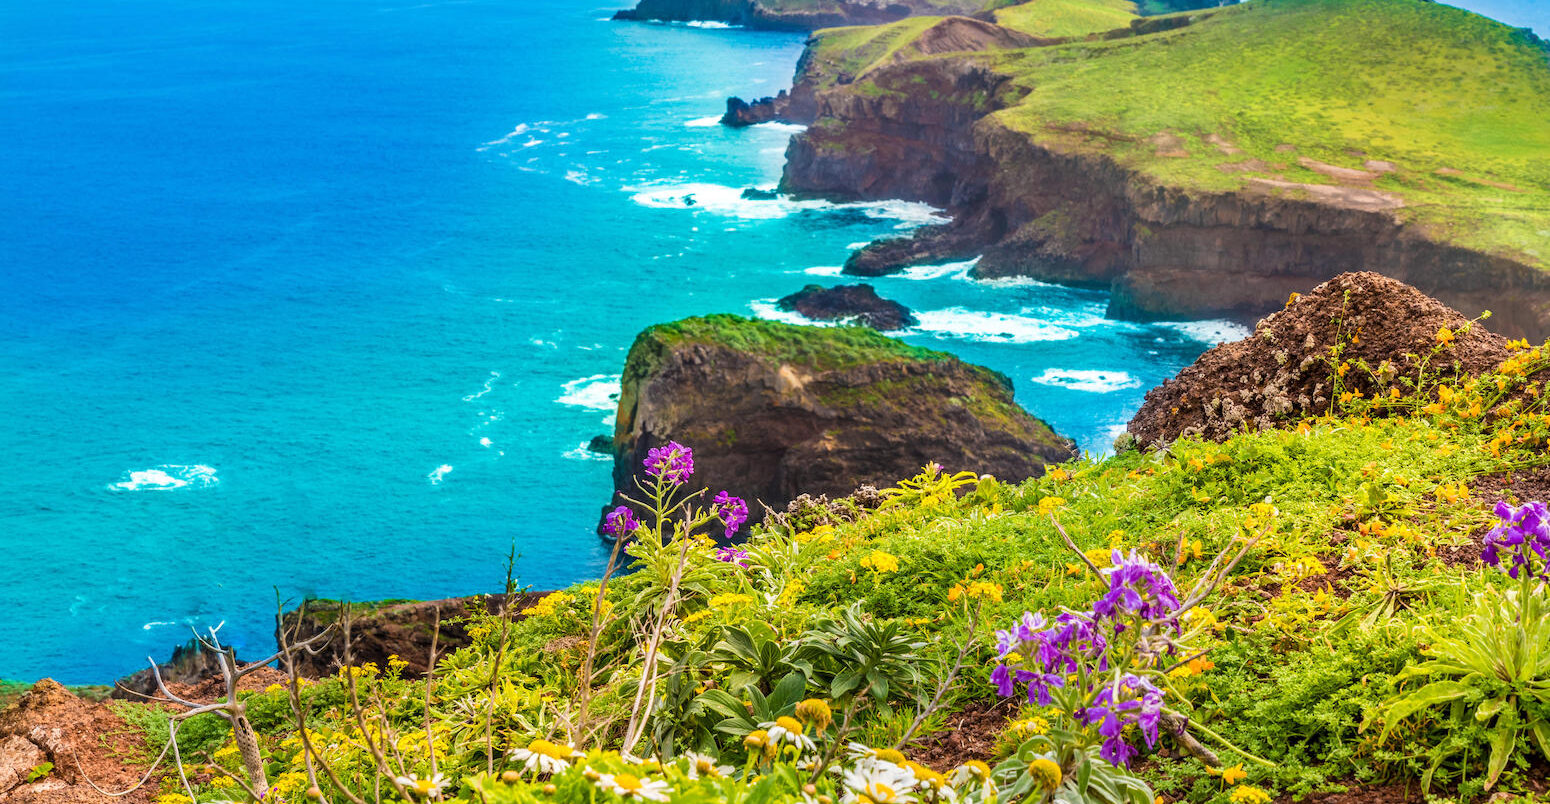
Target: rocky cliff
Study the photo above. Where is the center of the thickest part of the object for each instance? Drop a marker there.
(787, 15)
(390, 628)
(1384, 331)
(774, 410)
(1084, 203)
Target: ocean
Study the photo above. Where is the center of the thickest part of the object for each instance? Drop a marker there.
(325, 298)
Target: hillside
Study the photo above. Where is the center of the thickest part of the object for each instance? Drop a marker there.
(1277, 141)
(810, 15)
(1314, 608)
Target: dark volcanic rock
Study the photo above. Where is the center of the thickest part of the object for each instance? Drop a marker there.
(774, 410)
(393, 628)
(1283, 370)
(602, 444)
(774, 15)
(858, 303)
(190, 664)
(742, 113)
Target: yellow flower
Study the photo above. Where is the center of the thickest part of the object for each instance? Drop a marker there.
(696, 617)
(816, 712)
(1045, 773)
(1234, 774)
(1030, 726)
(548, 605)
(1292, 299)
(1248, 795)
(1048, 505)
(1059, 474)
(727, 600)
(880, 562)
(1444, 336)
(975, 589)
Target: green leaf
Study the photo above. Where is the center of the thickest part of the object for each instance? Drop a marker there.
(1430, 695)
(1542, 737)
(1502, 741)
(1489, 709)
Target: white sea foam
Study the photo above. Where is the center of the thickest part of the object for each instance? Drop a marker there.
(710, 24)
(956, 270)
(988, 327)
(729, 201)
(439, 473)
(595, 116)
(766, 309)
(531, 141)
(597, 392)
(489, 385)
(155, 624)
(167, 477)
(1212, 332)
(1097, 382)
(583, 452)
(516, 132)
(776, 125)
(824, 270)
(703, 122)
(861, 245)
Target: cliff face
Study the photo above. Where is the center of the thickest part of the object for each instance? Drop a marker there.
(773, 410)
(1060, 208)
(404, 629)
(769, 16)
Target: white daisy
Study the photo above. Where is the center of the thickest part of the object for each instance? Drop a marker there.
(426, 788)
(631, 786)
(880, 783)
(704, 765)
(545, 756)
(789, 730)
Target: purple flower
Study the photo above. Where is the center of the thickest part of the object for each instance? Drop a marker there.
(1138, 587)
(674, 462)
(620, 522)
(732, 555)
(732, 510)
(1137, 701)
(1523, 532)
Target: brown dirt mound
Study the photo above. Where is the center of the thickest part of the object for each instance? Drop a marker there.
(1283, 370)
(50, 725)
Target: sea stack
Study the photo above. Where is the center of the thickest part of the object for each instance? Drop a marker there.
(774, 410)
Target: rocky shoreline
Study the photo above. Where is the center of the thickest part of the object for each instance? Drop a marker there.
(926, 130)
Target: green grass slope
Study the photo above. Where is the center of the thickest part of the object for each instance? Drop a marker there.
(1364, 562)
(1061, 18)
(1453, 102)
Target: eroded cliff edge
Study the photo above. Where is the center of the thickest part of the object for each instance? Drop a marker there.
(774, 410)
(1178, 222)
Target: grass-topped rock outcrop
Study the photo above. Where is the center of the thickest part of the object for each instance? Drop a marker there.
(1205, 164)
(775, 410)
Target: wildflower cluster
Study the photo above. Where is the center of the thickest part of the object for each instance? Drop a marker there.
(1080, 661)
(1522, 533)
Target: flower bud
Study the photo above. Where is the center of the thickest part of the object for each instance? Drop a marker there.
(314, 793)
(816, 712)
(511, 777)
(549, 789)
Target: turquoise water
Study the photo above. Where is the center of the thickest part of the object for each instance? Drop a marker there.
(325, 297)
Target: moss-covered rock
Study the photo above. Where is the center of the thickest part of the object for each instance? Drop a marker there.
(774, 410)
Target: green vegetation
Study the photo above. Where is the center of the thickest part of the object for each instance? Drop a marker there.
(1359, 640)
(1062, 18)
(820, 347)
(1393, 103)
(1452, 101)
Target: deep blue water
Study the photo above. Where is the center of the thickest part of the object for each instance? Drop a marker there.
(324, 296)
